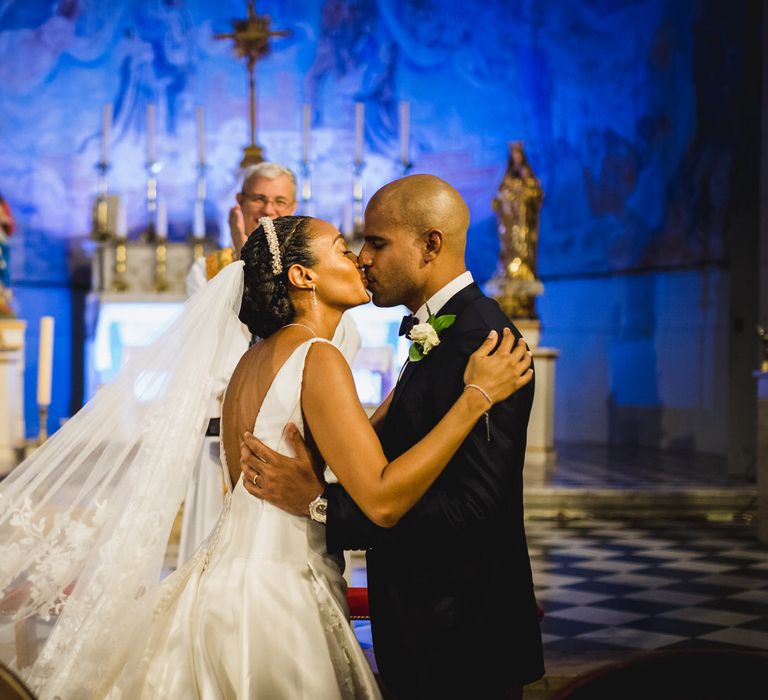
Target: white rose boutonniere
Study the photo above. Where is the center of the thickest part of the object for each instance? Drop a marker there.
(426, 336)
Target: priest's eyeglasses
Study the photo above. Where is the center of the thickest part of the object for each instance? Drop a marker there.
(261, 201)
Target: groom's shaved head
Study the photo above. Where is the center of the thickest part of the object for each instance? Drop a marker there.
(422, 203)
(415, 236)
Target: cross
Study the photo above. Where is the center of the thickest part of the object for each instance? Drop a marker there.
(251, 37)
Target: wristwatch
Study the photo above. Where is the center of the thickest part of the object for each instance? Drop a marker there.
(318, 509)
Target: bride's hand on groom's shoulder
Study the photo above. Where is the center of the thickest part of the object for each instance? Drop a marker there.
(289, 483)
(499, 368)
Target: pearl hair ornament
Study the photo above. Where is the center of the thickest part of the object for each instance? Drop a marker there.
(274, 247)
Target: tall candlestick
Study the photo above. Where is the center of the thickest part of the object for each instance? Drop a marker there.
(150, 133)
(121, 220)
(106, 122)
(198, 220)
(306, 125)
(45, 362)
(359, 130)
(405, 128)
(348, 225)
(200, 136)
(162, 220)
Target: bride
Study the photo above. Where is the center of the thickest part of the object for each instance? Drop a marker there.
(259, 610)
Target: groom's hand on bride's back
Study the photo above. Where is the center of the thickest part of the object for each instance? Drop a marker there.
(290, 483)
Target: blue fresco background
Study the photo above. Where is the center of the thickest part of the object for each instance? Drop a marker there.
(625, 107)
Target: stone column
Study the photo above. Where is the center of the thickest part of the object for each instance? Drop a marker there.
(540, 449)
(12, 389)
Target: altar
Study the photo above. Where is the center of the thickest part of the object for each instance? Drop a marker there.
(124, 310)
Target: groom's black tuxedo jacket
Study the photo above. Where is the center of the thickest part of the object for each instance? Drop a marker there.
(451, 596)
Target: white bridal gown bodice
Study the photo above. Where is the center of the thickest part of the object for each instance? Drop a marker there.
(260, 609)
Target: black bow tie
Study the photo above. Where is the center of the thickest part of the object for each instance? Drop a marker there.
(406, 324)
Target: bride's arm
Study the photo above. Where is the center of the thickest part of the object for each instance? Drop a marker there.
(384, 490)
(380, 414)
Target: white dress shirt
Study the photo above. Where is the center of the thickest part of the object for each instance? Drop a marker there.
(438, 300)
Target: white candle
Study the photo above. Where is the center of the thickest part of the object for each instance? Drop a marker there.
(150, 133)
(349, 224)
(162, 220)
(121, 220)
(405, 129)
(200, 136)
(198, 220)
(45, 362)
(106, 122)
(306, 126)
(359, 130)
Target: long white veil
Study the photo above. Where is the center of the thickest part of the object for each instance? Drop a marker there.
(85, 520)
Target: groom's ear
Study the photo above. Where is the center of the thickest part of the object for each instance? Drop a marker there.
(300, 277)
(433, 244)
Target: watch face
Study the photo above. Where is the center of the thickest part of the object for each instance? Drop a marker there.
(318, 510)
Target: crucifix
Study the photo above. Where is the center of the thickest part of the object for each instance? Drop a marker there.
(251, 37)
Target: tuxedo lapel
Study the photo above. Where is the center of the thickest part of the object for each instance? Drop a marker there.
(455, 305)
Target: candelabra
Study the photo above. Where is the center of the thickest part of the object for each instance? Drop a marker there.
(120, 270)
(306, 187)
(153, 168)
(357, 200)
(198, 219)
(161, 265)
(42, 434)
(100, 226)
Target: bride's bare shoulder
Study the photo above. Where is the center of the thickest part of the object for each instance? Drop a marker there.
(325, 366)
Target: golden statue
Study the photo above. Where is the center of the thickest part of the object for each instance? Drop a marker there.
(517, 204)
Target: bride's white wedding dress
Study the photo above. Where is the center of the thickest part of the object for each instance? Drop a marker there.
(260, 609)
(258, 612)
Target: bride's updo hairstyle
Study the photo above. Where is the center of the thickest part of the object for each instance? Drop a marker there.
(266, 305)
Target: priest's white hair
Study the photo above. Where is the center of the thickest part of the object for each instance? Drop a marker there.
(268, 171)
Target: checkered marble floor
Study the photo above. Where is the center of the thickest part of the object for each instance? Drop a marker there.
(614, 588)
(640, 586)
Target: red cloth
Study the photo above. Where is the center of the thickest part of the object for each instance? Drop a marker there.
(358, 603)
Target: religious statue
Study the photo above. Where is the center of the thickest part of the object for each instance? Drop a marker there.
(517, 204)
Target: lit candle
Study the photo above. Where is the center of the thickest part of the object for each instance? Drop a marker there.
(198, 221)
(150, 133)
(306, 119)
(45, 362)
(405, 128)
(162, 220)
(359, 129)
(121, 220)
(106, 122)
(200, 136)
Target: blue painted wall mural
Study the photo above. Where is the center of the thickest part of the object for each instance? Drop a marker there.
(623, 106)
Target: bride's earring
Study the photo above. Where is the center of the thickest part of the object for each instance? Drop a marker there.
(314, 296)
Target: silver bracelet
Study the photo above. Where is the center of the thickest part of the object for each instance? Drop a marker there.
(481, 390)
(487, 417)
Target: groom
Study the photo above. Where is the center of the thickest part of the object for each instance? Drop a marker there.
(451, 595)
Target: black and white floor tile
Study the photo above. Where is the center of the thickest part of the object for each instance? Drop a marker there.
(628, 587)
(650, 585)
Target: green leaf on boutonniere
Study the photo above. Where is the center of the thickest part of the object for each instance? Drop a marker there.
(415, 354)
(426, 336)
(440, 323)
